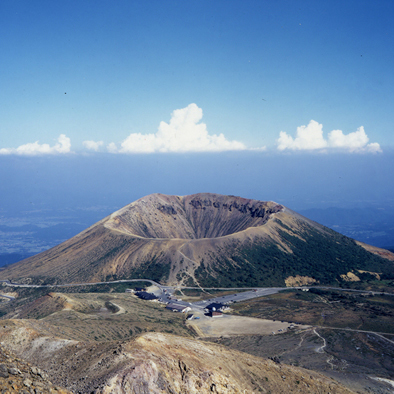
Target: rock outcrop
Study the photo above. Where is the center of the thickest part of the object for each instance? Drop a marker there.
(154, 363)
(18, 376)
(191, 217)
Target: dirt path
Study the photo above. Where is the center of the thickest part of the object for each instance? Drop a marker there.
(321, 350)
(298, 345)
(191, 275)
(388, 381)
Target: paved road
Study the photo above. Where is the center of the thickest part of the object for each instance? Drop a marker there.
(10, 283)
(377, 333)
(246, 295)
(351, 290)
(7, 296)
(165, 293)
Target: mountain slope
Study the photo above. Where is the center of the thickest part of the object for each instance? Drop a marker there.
(156, 363)
(202, 239)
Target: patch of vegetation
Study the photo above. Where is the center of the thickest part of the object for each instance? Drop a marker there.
(339, 309)
(41, 280)
(95, 319)
(111, 307)
(26, 295)
(190, 282)
(370, 285)
(321, 255)
(155, 269)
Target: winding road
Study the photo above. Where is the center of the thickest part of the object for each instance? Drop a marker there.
(165, 292)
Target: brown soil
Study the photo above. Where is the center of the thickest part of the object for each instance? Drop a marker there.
(378, 251)
(18, 376)
(298, 280)
(228, 325)
(158, 363)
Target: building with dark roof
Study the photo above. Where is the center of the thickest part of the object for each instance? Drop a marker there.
(146, 296)
(215, 314)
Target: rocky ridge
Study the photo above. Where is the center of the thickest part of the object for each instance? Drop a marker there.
(191, 217)
(153, 363)
(18, 376)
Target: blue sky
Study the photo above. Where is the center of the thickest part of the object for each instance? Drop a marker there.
(102, 71)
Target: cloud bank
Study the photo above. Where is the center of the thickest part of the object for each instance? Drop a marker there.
(311, 138)
(35, 149)
(93, 145)
(184, 133)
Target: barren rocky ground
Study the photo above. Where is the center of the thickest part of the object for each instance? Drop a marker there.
(18, 376)
(350, 337)
(158, 363)
(74, 353)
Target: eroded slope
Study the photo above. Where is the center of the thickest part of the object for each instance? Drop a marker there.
(202, 215)
(18, 376)
(157, 363)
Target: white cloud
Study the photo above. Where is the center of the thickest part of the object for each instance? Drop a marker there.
(311, 138)
(112, 147)
(261, 149)
(34, 148)
(307, 137)
(183, 133)
(93, 145)
(356, 141)
(374, 147)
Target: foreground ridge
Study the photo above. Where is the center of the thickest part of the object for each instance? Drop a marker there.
(158, 363)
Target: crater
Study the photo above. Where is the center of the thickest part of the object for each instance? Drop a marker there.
(196, 216)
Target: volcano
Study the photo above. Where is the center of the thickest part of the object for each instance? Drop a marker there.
(206, 240)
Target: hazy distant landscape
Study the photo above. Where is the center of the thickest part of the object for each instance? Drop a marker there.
(374, 226)
(27, 233)
(34, 232)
